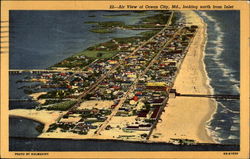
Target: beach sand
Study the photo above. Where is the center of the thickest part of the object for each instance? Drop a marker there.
(36, 95)
(43, 116)
(104, 104)
(186, 117)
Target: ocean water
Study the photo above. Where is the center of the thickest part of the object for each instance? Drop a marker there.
(222, 60)
(21, 125)
(40, 39)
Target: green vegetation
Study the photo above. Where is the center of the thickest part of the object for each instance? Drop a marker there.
(55, 94)
(74, 62)
(102, 30)
(105, 27)
(116, 15)
(40, 128)
(160, 18)
(176, 16)
(91, 22)
(126, 40)
(48, 102)
(52, 127)
(97, 54)
(111, 24)
(63, 106)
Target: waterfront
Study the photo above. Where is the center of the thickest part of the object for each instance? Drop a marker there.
(222, 61)
(36, 144)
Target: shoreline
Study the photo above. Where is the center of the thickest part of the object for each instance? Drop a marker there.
(117, 140)
(42, 116)
(36, 95)
(210, 88)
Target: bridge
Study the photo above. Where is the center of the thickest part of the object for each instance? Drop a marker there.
(29, 100)
(19, 71)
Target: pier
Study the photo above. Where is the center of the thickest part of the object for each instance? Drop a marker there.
(30, 100)
(37, 71)
(216, 96)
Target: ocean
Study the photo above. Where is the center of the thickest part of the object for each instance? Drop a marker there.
(222, 61)
(39, 39)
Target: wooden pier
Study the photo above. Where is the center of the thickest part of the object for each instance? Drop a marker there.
(216, 96)
(37, 71)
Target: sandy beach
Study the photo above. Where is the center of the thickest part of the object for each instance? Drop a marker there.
(43, 116)
(36, 95)
(186, 117)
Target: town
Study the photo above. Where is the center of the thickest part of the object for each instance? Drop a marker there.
(121, 96)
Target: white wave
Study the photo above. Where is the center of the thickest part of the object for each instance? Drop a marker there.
(236, 117)
(234, 81)
(220, 139)
(218, 50)
(225, 111)
(208, 17)
(231, 111)
(208, 126)
(222, 120)
(226, 72)
(214, 135)
(236, 121)
(218, 128)
(236, 87)
(234, 128)
(233, 137)
(208, 81)
(215, 53)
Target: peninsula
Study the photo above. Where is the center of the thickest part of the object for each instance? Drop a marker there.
(128, 88)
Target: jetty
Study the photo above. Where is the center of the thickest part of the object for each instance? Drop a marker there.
(37, 71)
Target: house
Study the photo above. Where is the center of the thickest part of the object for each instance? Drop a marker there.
(173, 93)
(141, 127)
(157, 102)
(142, 114)
(157, 86)
(155, 113)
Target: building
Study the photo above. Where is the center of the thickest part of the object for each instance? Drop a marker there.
(157, 86)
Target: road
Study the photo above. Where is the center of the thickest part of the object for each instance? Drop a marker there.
(133, 86)
(92, 87)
